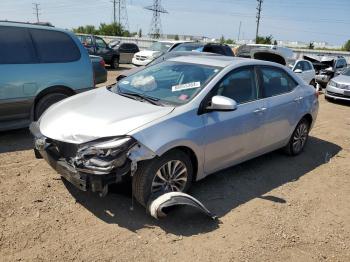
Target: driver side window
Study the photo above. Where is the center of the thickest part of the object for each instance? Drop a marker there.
(100, 43)
(239, 85)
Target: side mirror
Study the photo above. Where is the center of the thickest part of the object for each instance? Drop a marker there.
(222, 103)
(298, 71)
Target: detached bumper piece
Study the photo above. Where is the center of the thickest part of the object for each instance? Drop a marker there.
(157, 206)
(61, 157)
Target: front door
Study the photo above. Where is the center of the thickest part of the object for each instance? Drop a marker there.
(233, 136)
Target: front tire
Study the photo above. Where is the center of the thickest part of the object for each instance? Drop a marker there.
(299, 138)
(170, 172)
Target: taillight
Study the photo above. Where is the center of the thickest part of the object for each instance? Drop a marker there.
(102, 63)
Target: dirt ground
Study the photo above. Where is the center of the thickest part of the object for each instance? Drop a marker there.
(273, 208)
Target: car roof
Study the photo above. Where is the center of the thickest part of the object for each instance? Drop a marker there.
(29, 25)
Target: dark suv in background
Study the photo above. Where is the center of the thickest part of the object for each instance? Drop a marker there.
(215, 48)
(98, 47)
(126, 51)
(39, 66)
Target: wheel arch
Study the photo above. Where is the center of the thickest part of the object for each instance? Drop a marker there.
(193, 157)
(50, 90)
(309, 118)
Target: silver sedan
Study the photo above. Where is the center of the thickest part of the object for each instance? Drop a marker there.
(176, 122)
(339, 87)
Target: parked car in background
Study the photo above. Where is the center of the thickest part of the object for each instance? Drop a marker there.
(126, 51)
(216, 48)
(327, 67)
(245, 50)
(39, 66)
(160, 59)
(339, 86)
(144, 57)
(97, 46)
(305, 70)
(176, 122)
(100, 72)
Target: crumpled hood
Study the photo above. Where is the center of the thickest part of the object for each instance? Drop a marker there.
(342, 79)
(148, 53)
(96, 114)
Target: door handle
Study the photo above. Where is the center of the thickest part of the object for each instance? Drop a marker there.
(260, 110)
(298, 99)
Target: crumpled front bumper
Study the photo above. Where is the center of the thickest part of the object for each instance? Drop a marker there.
(85, 181)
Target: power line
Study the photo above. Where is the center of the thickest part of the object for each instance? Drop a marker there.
(156, 25)
(36, 11)
(258, 16)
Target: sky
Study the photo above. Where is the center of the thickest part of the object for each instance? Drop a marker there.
(293, 20)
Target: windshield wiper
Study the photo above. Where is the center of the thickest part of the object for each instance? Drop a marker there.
(141, 97)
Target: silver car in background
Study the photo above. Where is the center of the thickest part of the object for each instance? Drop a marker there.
(339, 86)
(176, 122)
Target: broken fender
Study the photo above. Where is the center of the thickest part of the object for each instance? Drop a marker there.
(157, 206)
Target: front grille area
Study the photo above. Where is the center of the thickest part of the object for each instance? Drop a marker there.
(63, 149)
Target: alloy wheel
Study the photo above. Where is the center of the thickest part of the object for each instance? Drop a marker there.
(172, 176)
(300, 137)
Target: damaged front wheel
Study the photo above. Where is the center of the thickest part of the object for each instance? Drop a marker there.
(172, 172)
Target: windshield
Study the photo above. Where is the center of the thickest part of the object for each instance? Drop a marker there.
(189, 47)
(169, 82)
(160, 46)
(347, 72)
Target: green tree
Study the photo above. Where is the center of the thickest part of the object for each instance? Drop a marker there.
(346, 47)
(88, 29)
(275, 42)
(140, 33)
(176, 37)
(222, 40)
(229, 41)
(267, 40)
(311, 45)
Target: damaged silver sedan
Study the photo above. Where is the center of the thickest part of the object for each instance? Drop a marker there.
(174, 123)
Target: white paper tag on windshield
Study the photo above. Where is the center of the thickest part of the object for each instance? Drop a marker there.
(185, 86)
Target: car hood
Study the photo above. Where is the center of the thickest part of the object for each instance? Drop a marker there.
(148, 53)
(96, 114)
(342, 79)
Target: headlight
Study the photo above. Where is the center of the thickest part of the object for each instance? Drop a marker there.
(102, 156)
(332, 83)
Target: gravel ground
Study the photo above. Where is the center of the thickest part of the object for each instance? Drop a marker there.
(273, 208)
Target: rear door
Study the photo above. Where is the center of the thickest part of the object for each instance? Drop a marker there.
(282, 97)
(18, 84)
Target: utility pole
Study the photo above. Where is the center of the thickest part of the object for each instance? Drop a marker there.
(122, 13)
(36, 11)
(114, 20)
(258, 16)
(239, 30)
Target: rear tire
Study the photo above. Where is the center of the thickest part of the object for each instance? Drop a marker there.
(46, 101)
(299, 138)
(145, 180)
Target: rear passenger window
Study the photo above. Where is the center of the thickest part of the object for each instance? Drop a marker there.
(54, 46)
(16, 46)
(276, 81)
(239, 85)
